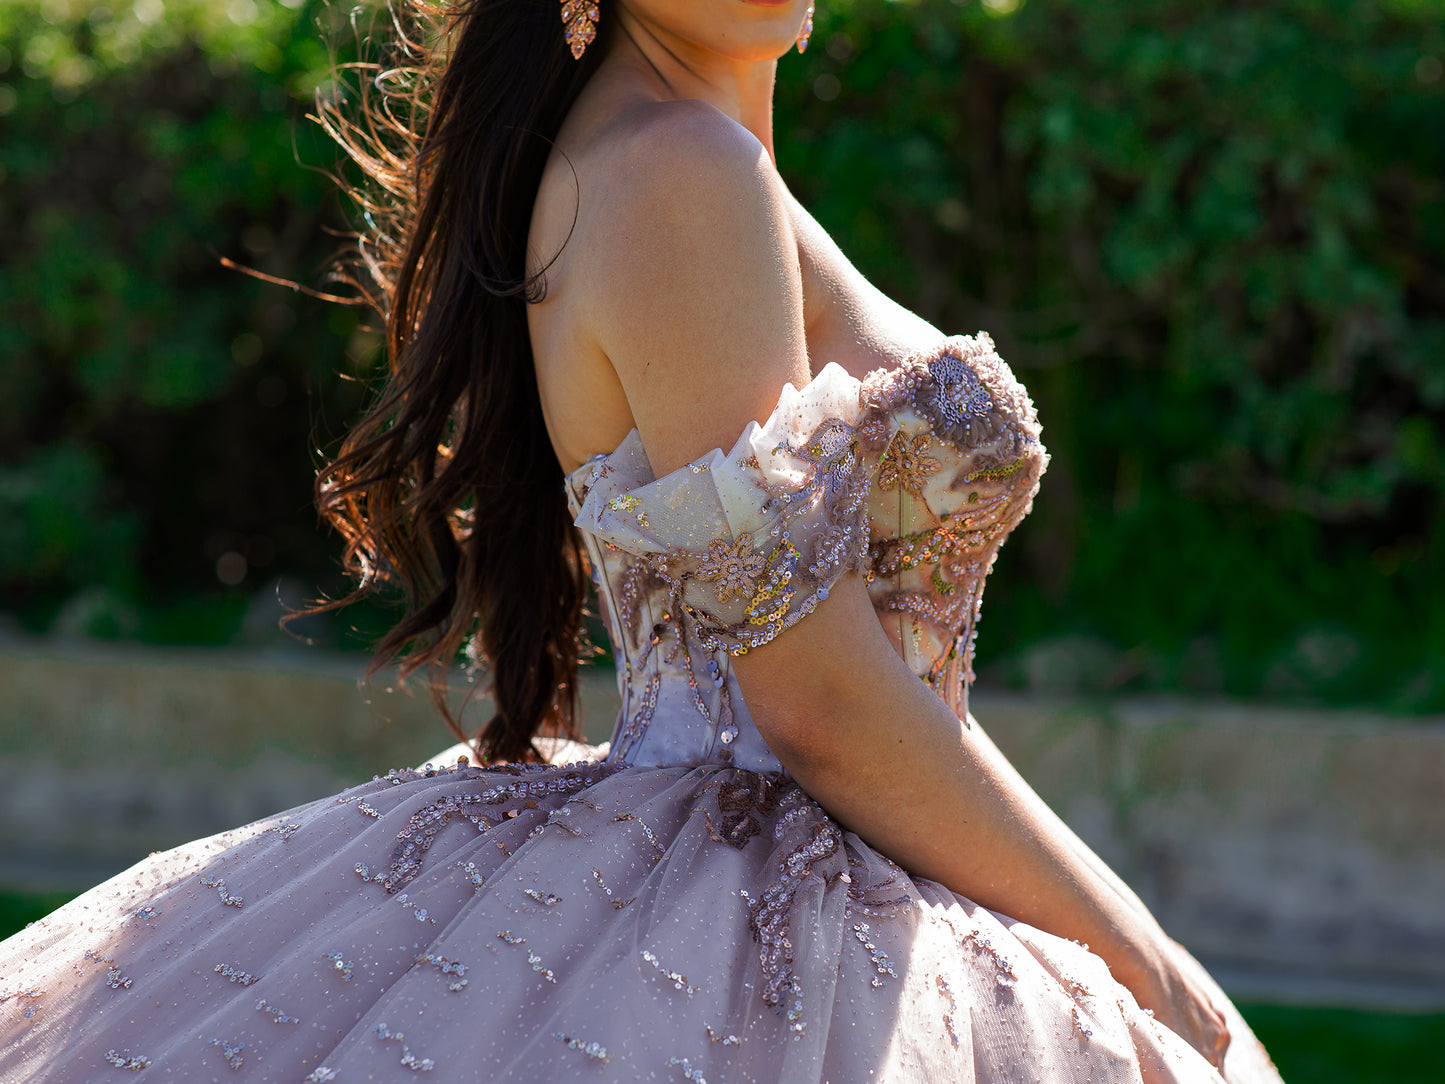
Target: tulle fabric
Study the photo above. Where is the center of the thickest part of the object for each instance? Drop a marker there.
(586, 934)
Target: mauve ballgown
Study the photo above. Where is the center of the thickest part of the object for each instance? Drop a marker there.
(679, 910)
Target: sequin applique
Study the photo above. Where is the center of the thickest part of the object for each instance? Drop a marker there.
(423, 826)
(903, 464)
(31, 995)
(948, 1022)
(222, 893)
(770, 917)
(235, 974)
(648, 832)
(733, 568)
(616, 901)
(679, 982)
(533, 960)
(340, 965)
(448, 968)
(593, 1050)
(134, 1062)
(276, 1015)
(912, 477)
(408, 1059)
(232, 1052)
(741, 799)
(881, 963)
(965, 397)
(419, 913)
(688, 1072)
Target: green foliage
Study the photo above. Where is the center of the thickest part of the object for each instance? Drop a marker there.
(1210, 238)
(1347, 1046)
(156, 408)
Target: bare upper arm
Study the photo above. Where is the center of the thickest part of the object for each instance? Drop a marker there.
(696, 296)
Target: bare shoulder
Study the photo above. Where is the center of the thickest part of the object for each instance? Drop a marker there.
(686, 138)
(695, 292)
(674, 172)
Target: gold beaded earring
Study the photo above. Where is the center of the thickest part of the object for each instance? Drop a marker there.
(807, 31)
(580, 18)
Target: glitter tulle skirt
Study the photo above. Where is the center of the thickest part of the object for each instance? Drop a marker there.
(584, 922)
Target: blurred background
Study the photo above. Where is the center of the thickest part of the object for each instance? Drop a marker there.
(1209, 238)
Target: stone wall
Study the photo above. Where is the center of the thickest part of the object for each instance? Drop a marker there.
(1300, 854)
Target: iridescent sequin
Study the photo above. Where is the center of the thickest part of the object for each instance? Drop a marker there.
(688, 1072)
(340, 965)
(277, 1016)
(446, 967)
(224, 895)
(235, 974)
(232, 1052)
(594, 1050)
(881, 964)
(134, 1062)
(948, 1021)
(679, 982)
(32, 995)
(617, 902)
(419, 913)
(533, 960)
(408, 1059)
(648, 832)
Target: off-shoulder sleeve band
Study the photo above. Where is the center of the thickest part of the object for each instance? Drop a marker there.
(749, 541)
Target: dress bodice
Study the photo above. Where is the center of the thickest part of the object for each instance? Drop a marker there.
(911, 477)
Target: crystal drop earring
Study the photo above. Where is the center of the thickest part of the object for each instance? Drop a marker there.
(807, 31)
(580, 19)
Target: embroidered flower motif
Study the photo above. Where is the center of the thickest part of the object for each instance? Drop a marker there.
(903, 464)
(733, 568)
(956, 402)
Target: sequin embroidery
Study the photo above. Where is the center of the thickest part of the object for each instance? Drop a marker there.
(222, 894)
(232, 1052)
(135, 1063)
(594, 1050)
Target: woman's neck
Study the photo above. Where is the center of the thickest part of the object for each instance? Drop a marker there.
(678, 69)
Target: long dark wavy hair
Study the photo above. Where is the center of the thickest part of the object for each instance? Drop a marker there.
(448, 489)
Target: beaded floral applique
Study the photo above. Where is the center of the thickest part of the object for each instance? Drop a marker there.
(779, 582)
(960, 507)
(903, 464)
(733, 568)
(913, 476)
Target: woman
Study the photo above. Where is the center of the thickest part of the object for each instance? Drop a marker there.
(797, 861)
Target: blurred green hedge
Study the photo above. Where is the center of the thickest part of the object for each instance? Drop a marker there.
(1210, 238)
